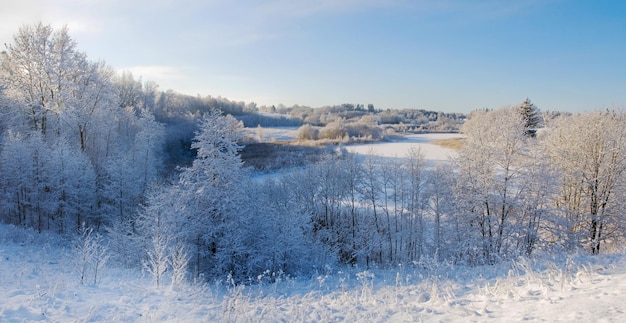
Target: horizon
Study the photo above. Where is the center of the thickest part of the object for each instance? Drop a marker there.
(454, 56)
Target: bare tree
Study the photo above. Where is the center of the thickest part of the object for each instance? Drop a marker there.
(91, 253)
(489, 181)
(590, 153)
(36, 71)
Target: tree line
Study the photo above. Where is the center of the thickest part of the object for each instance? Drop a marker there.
(513, 190)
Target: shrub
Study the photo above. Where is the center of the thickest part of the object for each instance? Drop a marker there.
(333, 130)
(307, 132)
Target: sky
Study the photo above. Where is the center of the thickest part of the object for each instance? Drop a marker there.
(442, 55)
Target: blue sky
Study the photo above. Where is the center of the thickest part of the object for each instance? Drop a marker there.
(447, 55)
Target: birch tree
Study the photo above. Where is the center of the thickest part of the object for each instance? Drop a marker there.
(589, 151)
(441, 204)
(489, 180)
(36, 70)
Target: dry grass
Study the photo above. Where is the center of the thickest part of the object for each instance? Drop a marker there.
(454, 143)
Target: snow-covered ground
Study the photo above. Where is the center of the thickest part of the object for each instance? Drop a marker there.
(423, 142)
(272, 134)
(38, 283)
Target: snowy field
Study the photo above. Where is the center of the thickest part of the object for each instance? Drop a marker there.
(423, 142)
(39, 282)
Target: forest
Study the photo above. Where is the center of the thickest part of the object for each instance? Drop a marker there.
(154, 179)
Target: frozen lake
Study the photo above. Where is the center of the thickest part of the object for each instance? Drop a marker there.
(400, 149)
(397, 149)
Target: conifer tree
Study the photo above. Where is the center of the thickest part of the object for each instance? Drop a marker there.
(531, 116)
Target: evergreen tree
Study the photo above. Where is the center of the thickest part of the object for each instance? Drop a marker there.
(532, 117)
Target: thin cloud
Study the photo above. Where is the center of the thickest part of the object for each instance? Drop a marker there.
(156, 72)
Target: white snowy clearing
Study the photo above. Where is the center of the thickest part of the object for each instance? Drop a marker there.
(400, 149)
(39, 282)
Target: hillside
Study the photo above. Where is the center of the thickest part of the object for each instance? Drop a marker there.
(39, 283)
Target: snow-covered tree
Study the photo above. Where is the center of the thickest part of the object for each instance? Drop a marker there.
(282, 235)
(211, 199)
(307, 132)
(23, 188)
(90, 254)
(416, 203)
(128, 90)
(489, 181)
(57, 88)
(88, 100)
(589, 151)
(156, 225)
(371, 189)
(75, 187)
(531, 116)
(91, 159)
(536, 208)
(440, 202)
(46, 187)
(129, 168)
(36, 71)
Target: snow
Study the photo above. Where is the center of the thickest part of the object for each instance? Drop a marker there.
(398, 148)
(423, 142)
(39, 283)
(273, 133)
